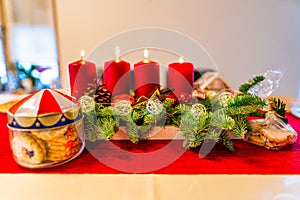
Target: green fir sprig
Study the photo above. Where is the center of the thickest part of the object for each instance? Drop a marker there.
(279, 107)
(254, 81)
(216, 121)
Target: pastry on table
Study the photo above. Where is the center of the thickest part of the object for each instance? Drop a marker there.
(270, 136)
(210, 81)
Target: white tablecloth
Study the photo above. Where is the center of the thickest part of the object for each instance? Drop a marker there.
(92, 186)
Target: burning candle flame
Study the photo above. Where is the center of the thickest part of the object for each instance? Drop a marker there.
(181, 60)
(146, 56)
(82, 54)
(117, 54)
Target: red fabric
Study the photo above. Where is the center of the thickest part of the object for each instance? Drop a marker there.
(247, 158)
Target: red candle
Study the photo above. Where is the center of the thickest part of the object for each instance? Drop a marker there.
(81, 74)
(181, 77)
(116, 76)
(146, 76)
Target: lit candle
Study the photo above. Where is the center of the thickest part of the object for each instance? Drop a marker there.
(181, 77)
(81, 74)
(116, 76)
(146, 76)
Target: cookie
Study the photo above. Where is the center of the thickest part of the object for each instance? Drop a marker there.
(71, 134)
(50, 134)
(58, 155)
(256, 139)
(272, 145)
(273, 134)
(62, 146)
(41, 143)
(270, 136)
(28, 148)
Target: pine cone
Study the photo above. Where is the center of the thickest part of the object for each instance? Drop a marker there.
(91, 89)
(102, 95)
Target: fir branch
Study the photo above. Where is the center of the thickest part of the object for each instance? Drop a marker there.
(215, 104)
(221, 120)
(246, 99)
(192, 140)
(103, 111)
(188, 123)
(132, 133)
(89, 120)
(143, 131)
(207, 103)
(241, 110)
(194, 130)
(241, 125)
(279, 107)
(168, 103)
(204, 122)
(138, 115)
(148, 119)
(132, 130)
(108, 127)
(184, 108)
(226, 141)
(173, 113)
(214, 123)
(214, 133)
(249, 125)
(245, 104)
(252, 82)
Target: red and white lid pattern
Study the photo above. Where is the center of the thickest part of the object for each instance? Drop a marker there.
(44, 109)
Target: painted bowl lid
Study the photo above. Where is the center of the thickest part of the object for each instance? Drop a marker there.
(44, 109)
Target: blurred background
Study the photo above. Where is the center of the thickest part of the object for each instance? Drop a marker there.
(39, 38)
(28, 46)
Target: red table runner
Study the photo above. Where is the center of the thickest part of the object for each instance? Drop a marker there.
(246, 159)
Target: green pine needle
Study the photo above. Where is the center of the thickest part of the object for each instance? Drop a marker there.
(192, 140)
(278, 107)
(252, 82)
(222, 121)
(132, 132)
(108, 127)
(89, 126)
(214, 123)
(226, 141)
(241, 126)
(214, 133)
(246, 99)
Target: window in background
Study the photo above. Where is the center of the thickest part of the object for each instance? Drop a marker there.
(3, 73)
(32, 43)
